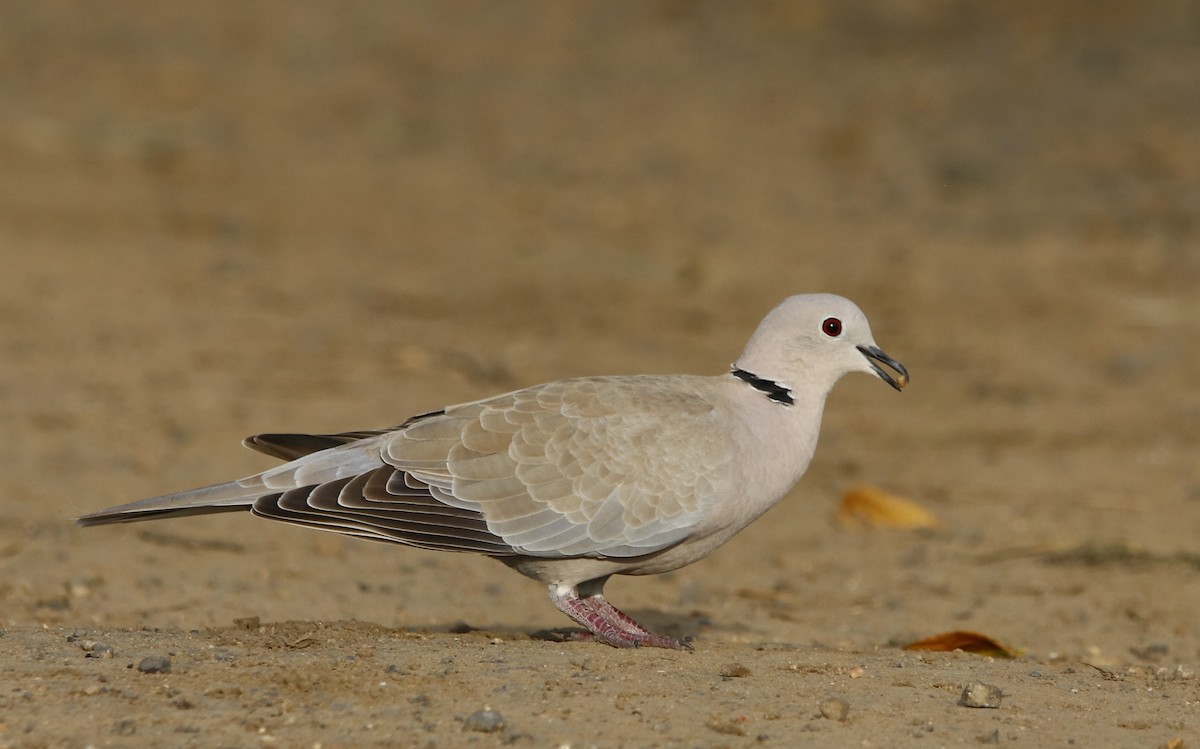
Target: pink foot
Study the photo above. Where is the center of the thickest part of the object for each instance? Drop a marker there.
(608, 624)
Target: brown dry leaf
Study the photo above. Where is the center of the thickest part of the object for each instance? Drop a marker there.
(968, 642)
(872, 506)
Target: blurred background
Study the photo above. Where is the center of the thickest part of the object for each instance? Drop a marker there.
(225, 218)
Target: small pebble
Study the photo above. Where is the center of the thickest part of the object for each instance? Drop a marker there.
(978, 694)
(97, 650)
(484, 721)
(834, 709)
(154, 664)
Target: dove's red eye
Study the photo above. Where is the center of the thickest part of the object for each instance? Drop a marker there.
(832, 327)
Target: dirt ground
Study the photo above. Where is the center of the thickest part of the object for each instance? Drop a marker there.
(225, 218)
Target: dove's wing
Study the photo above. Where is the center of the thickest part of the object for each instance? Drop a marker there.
(602, 467)
(612, 467)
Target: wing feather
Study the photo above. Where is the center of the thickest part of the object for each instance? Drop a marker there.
(592, 467)
(341, 507)
(467, 464)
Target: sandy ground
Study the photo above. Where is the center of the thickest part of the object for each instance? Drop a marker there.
(218, 219)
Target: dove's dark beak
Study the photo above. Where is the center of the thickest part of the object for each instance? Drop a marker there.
(876, 357)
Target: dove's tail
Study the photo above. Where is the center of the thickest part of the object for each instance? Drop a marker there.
(312, 459)
(204, 501)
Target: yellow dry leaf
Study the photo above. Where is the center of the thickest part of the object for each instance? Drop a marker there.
(968, 642)
(872, 506)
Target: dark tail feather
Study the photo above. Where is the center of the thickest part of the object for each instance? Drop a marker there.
(292, 446)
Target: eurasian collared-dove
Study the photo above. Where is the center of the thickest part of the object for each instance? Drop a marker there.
(578, 480)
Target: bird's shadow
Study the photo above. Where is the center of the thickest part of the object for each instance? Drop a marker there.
(682, 627)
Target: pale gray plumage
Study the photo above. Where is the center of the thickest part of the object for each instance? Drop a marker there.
(573, 481)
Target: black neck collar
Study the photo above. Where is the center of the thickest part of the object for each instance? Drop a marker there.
(773, 390)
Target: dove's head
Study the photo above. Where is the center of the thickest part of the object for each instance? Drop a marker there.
(811, 340)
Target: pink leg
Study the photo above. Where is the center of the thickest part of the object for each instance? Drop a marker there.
(606, 623)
